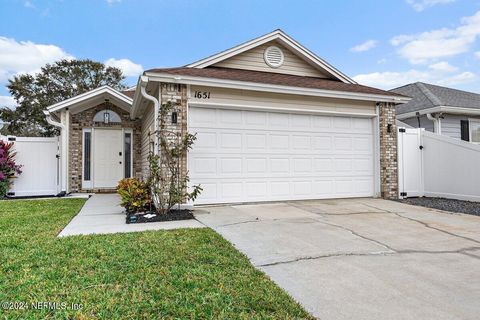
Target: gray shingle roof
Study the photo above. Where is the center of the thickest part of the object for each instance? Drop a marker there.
(426, 96)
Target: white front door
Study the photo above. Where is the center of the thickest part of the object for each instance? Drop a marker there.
(243, 156)
(107, 158)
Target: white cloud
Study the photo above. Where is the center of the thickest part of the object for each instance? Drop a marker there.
(420, 5)
(440, 43)
(477, 54)
(6, 101)
(443, 67)
(129, 68)
(389, 79)
(112, 2)
(29, 4)
(463, 77)
(367, 45)
(26, 57)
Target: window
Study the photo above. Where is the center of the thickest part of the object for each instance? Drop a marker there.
(107, 116)
(127, 151)
(87, 154)
(474, 130)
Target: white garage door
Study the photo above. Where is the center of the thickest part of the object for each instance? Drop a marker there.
(246, 156)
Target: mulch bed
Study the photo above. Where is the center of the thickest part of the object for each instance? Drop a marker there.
(173, 215)
(452, 205)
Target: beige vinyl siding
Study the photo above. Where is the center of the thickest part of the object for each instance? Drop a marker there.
(147, 129)
(253, 60)
(237, 98)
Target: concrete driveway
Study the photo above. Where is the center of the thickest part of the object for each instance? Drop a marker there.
(361, 258)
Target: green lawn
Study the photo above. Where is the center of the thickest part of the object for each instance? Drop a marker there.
(157, 274)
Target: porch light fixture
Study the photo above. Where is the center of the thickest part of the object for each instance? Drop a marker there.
(106, 114)
(174, 117)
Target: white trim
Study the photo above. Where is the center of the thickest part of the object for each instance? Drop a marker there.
(87, 184)
(275, 109)
(254, 86)
(128, 130)
(440, 109)
(283, 38)
(67, 150)
(88, 95)
(91, 184)
(376, 132)
(470, 121)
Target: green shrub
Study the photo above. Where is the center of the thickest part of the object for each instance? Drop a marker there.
(134, 193)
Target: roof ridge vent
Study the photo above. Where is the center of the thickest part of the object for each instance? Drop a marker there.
(273, 56)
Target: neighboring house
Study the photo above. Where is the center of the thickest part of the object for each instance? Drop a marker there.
(442, 110)
(273, 121)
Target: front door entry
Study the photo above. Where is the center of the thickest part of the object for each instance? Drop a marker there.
(108, 158)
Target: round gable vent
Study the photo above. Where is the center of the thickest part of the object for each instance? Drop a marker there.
(273, 56)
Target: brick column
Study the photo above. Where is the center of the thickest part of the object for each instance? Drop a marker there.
(388, 152)
(176, 93)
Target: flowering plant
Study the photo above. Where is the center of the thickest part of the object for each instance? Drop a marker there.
(8, 167)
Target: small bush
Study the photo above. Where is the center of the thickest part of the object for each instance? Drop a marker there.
(8, 167)
(135, 194)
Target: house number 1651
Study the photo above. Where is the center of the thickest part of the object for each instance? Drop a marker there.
(202, 94)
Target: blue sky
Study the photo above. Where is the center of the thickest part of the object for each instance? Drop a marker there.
(378, 43)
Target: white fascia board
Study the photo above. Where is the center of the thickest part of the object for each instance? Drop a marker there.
(87, 95)
(137, 97)
(440, 109)
(275, 35)
(254, 86)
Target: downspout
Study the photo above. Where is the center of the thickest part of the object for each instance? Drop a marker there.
(62, 156)
(143, 91)
(437, 128)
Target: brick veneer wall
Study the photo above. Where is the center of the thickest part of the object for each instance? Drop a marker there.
(83, 120)
(176, 93)
(388, 152)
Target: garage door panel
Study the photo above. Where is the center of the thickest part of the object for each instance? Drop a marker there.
(301, 142)
(278, 120)
(255, 142)
(231, 117)
(255, 119)
(322, 143)
(279, 142)
(206, 140)
(322, 122)
(202, 117)
(256, 165)
(265, 156)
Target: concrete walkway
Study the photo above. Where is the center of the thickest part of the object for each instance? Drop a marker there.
(361, 258)
(103, 214)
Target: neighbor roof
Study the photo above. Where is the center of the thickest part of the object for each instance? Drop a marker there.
(273, 79)
(426, 96)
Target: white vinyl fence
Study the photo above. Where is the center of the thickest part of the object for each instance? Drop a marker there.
(433, 165)
(40, 166)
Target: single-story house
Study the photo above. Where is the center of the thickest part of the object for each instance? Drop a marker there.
(273, 122)
(442, 110)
